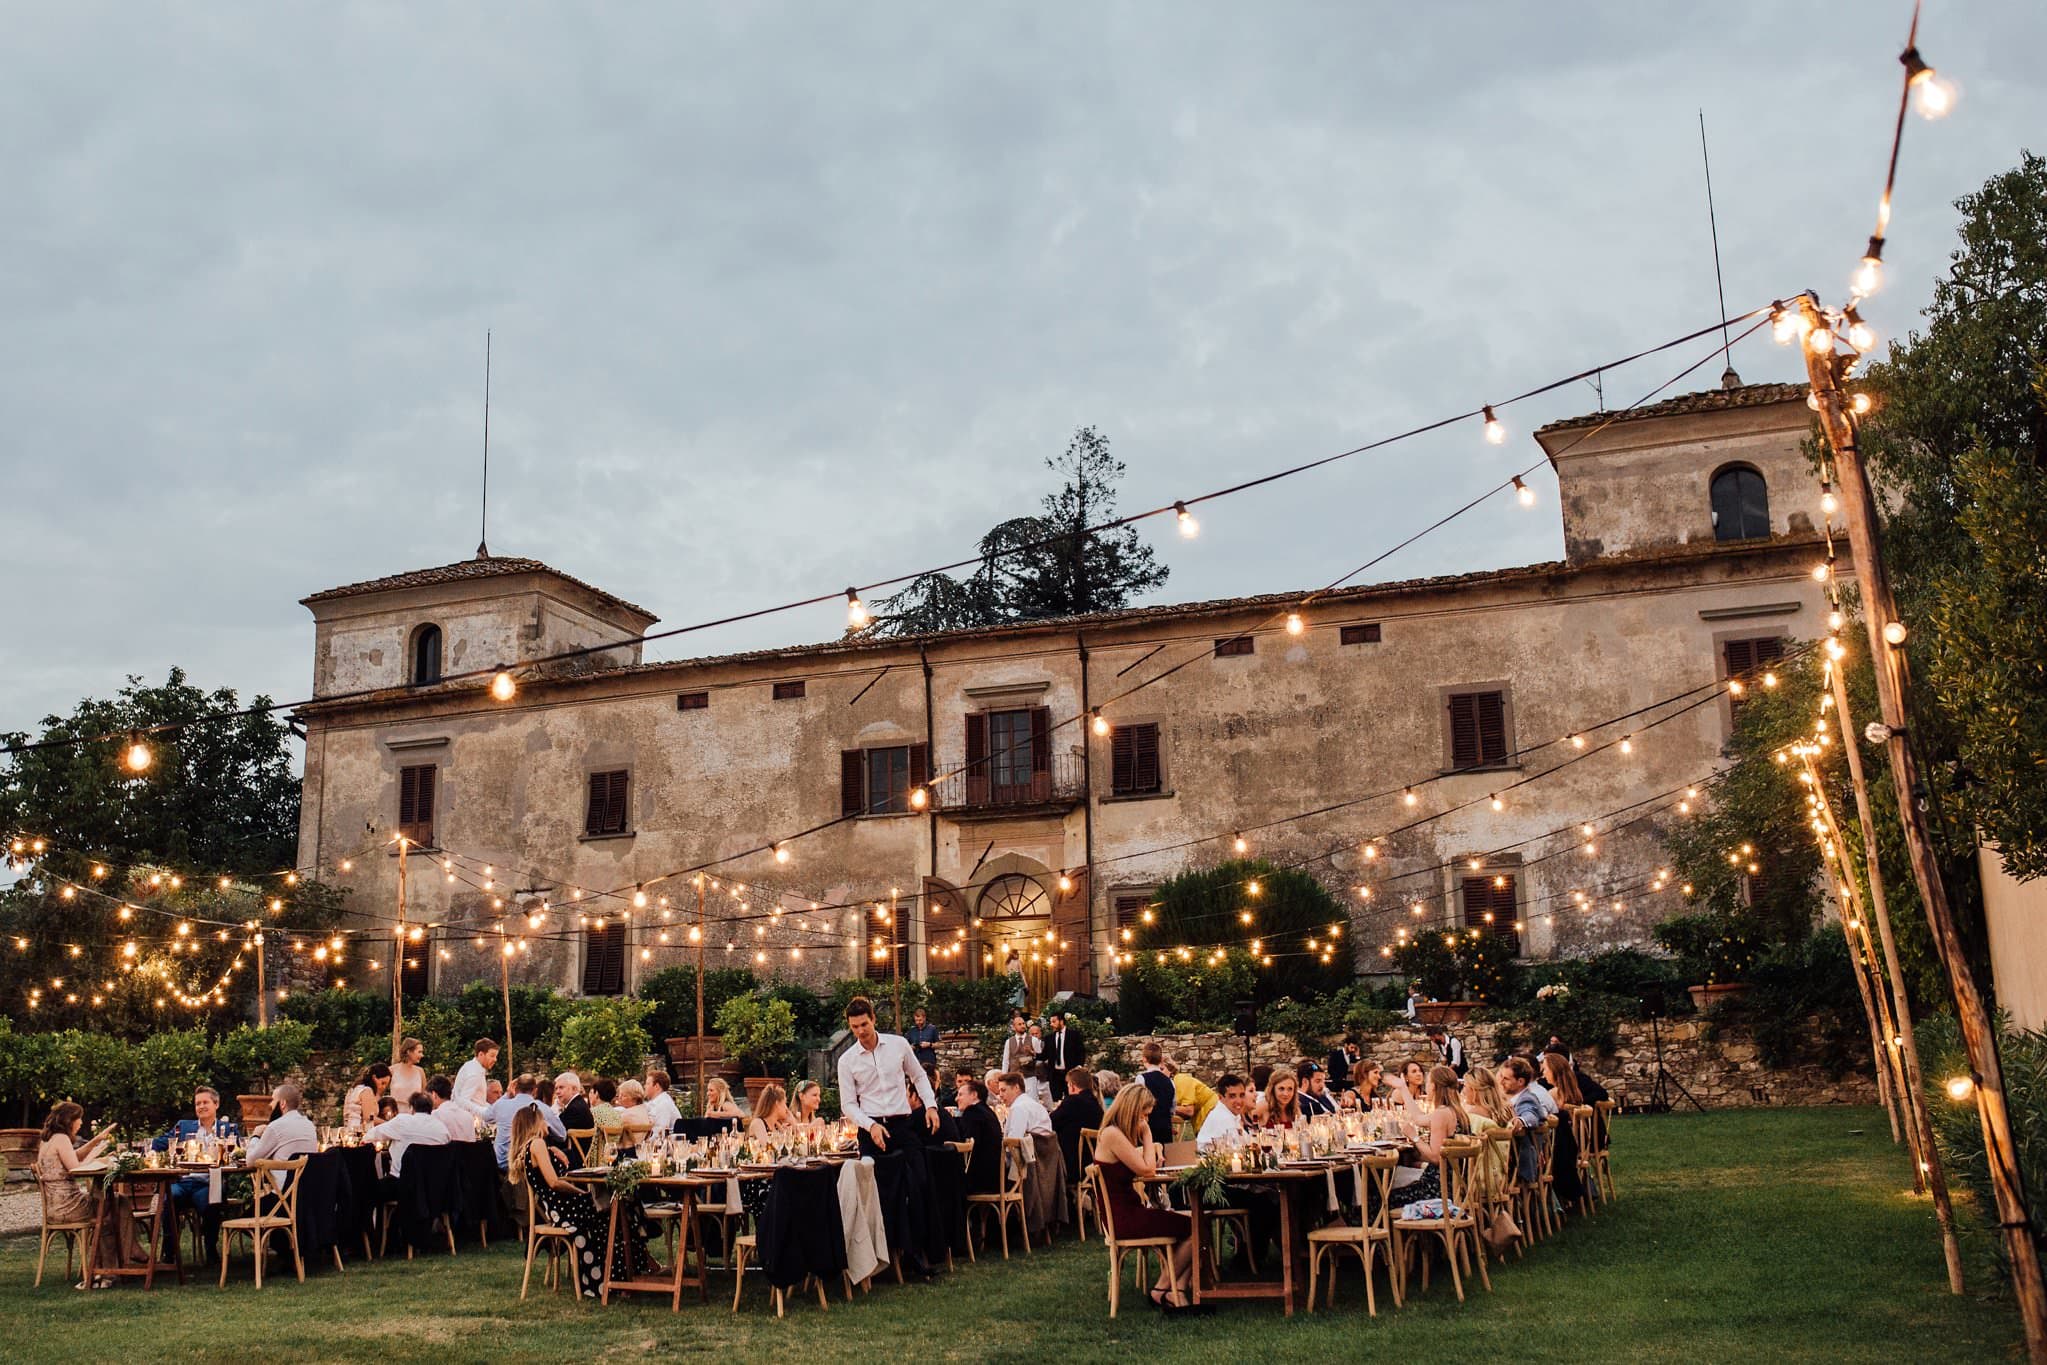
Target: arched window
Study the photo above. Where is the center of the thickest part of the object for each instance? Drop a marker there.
(1741, 504)
(426, 655)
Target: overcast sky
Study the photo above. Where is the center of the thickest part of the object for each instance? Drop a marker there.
(786, 297)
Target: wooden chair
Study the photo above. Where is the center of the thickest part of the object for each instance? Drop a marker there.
(584, 1146)
(259, 1227)
(1120, 1247)
(1083, 1202)
(75, 1232)
(1585, 1128)
(1546, 1208)
(1007, 1198)
(743, 1248)
(560, 1242)
(1372, 1177)
(966, 1151)
(1503, 1197)
(1456, 1224)
(1602, 1155)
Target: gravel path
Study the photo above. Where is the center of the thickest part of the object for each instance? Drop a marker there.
(20, 1210)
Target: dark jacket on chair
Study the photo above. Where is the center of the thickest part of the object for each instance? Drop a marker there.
(979, 1126)
(1074, 1113)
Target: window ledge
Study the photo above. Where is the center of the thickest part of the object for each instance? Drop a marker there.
(1484, 768)
(1138, 796)
(889, 815)
(606, 838)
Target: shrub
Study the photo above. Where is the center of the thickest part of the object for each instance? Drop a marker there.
(340, 1018)
(1803, 1006)
(1205, 908)
(812, 1012)
(1714, 947)
(248, 1060)
(1457, 966)
(1197, 990)
(2022, 1056)
(760, 1032)
(1580, 1018)
(481, 1011)
(672, 992)
(166, 1069)
(1656, 982)
(607, 1037)
(982, 1003)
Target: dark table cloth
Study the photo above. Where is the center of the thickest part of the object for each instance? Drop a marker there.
(698, 1129)
(801, 1233)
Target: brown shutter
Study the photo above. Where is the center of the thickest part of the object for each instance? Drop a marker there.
(1149, 777)
(1768, 651)
(852, 782)
(593, 814)
(1492, 727)
(416, 802)
(1464, 731)
(977, 758)
(604, 959)
(1069, 923)
(615, 803)
(1041, 739)
(1741, 657)
(920, 765)
(1123, 760)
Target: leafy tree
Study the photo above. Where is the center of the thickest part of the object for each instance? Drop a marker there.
(1037, 567)
(1206, 910)
(606, 1037)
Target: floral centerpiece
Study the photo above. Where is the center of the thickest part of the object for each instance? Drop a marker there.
(624, 1178)
(1207, 1177)
(123, 1164)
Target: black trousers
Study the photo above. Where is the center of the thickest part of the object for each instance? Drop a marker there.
(903, 1185)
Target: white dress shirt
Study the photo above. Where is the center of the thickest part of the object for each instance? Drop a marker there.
(664, 1113)
(290, 1134)
(1020, 1054)
(1219, 1125)
(472, 1083)
(1027, 1118)
(876, 1085)
(460, 1123)
(409, 1130)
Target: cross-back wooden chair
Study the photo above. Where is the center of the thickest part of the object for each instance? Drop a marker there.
(260, 1226)
(1008, 1198)
(1454, 1225)
(1372, 1178)
(1121, 1247)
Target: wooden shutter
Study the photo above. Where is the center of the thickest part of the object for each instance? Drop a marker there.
(1483, 897)
(1130, 912)
(1367, 634)
(1134, 760)
(604, 959)
(606, 813)
(415, 964)
(920, 765)
(977, 758)
(1492, 727)
(1070, 924)
(1464, 730)
(853, 782)
(416, 803)
(692, 701)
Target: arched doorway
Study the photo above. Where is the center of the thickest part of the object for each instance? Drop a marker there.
(1014, 919)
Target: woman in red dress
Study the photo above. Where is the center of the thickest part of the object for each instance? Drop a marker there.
(1125, 1154)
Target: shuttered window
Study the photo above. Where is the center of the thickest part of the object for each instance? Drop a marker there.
(692, 701)
(1478, 729)
(788, 691)
(1235, 645)
(604, 959)
(1130, 912)
(415, 968)
(1134, 760)
(606, 812)
(879, 939)
(879, 781)
(1747, 660)
(426, 656)
(1367, 634)
(1490, 908)
(416, 803)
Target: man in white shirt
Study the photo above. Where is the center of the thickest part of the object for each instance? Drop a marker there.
(415, 1127)
(472, 1082)
(1225, 1122)
(1021, 1049)
(660, 1104)
(290, 1134)
(1027, 1118)
(460, 1123)
(1044, 1164)
(876, 1077)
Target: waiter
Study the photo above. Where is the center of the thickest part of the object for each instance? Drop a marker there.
(1062, 1050)
(876, 1078)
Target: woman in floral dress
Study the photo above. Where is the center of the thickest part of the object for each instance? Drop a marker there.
(567, 1206)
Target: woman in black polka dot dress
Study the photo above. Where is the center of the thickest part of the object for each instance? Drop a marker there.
(567, 1206)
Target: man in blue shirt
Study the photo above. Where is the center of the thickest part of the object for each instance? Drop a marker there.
(508, 1104)
(191, 1191)
(922, 1037)
(1532, 1108)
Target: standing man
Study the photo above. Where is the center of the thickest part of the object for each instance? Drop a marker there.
(1154, 1079)
(923, 1039)
(1448, 1048)
(1020, 1050)
(1341, 1062)
(877, 1075)
(1061, 1051)
(472, 1082)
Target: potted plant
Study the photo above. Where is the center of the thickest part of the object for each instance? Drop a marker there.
(758, 1033)
(252, 1060)
(1715, 949)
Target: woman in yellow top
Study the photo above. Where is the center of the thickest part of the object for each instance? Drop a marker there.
(1486, 1105)
(1192, 1100)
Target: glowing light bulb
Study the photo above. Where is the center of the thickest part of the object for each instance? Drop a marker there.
(639, 899)
(1784, 326)
(1835, 620)
(1100, 723)
(1241, 845)
(1820, 339)
(1829, 504)
(1495, 432)
(1189, 527)
(1860, 404)
(1371, 852)
(1498, 804)
(1820, 572)
(781, 853)
(137, 756)
(1958, 1088)
(1627, 744)
(1408, 797)
(1577, 741)
(1065, 882)
(1294, 624)
(1861, 335)
(1523, 492)
(1933, 95)
(856, 611)
(920, 798)
(1894, 632)
(1869, 276)
(504, 686)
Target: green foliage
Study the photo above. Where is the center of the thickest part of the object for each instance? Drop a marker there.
(759, 1031)
(1466, 965)
(1314, 1024)
(1713, 948)
(672, 992)
(248, 1060)
(1628, 973)
(980, 1003)
(1579, 1019)
(606, 1037)
(1803, 1006)
(883, 994)
(480, 1010)
(811, 1011)
(340, 1018)
(1037, 567)
(1205, 909)
(2022, 1058)
(1197, 990)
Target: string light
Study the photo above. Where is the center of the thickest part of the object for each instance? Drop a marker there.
(1189, 527)
(1294, 624)
(137, 756)
(1860, 404)
(504, 686)
(856, 611)
(1240, 845)
(1523, 492)
(1894, 632)
(1860, 334)
(1933, 95)
(1869, 275)
(1495, 433)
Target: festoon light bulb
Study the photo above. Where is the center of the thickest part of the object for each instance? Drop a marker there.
(136, 756)
(1494, 431)
(1894, 632)
(1189, 527)
(1869, 276)
(1523, 492)
(856, 611)
(1100, 723)
(1933, 95)
(504, 686)
(1294, 624)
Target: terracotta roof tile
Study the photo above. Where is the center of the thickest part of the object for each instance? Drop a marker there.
(463, 570)
(1707, 400)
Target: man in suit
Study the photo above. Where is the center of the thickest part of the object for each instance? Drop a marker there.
(1082, 1108)
(1154, 1079)
(979, 1126)
(570, 1101)
(1021, 1048)
(1060, 1050)
(206, 1120)
(1341, 1059)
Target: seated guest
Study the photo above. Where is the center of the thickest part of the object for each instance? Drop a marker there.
(408, 1077)
(1281, 1107)
(1563, 1088)
(1527, 1101)
(660, 1104)
(1125, 1154)
(1225, 1122)
(506, 1109)
(570, 1103)
(770, 1114)
(635, 1123)
(948, 1129)
(387, 1108)
(460, 1123)
(191, 1192)
(290, 1134)
(1044, 1166)
(66, 1199)
(991, 1087)
(359, 1110)
(1082, 1108)
(1261, 1076)
(1315, 1096)
(1410, 1090)
(1486, 1104)
(718, 1101)
(1446, 1119)
(604, 1112)
(566, 1205)
(417, 1127)
(1107, 1083)
(493, 1090)
(809, 1099)
(543, 1096)
(979, 1126)
(1192, 1099)
(1367, 1082)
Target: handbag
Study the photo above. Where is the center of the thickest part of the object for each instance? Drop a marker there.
(1500, 1231)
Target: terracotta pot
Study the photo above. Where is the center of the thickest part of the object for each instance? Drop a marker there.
(1448, 1013)
(754, 1086)
(255, 1110)
(682, 1052)
(1704, 997)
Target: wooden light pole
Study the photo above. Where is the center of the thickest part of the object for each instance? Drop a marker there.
(700, 989)
(1894, 696)
(262, 1005)
(398, 956)
(505, 992)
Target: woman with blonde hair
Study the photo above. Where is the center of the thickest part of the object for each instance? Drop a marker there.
(1446, 1119)
(635, 1120)
(1486, 1105)
(809, 1099)
(1281, 1106)
(1124, 1154)
(770, 1115)
(718, 1100)
(565, 1205)
(408, 1077)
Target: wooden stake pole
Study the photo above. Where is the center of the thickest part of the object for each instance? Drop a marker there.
(1894, 694)
(262, 1004)
(1901, 1002)
(398, 956)
(701, 931)
(505, 992)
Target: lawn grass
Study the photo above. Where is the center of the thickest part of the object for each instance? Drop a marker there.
(1787, 1234)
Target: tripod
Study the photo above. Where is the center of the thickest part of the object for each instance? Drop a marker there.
(1660, 1100)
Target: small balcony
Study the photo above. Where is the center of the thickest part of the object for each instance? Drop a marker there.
(997, 789)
